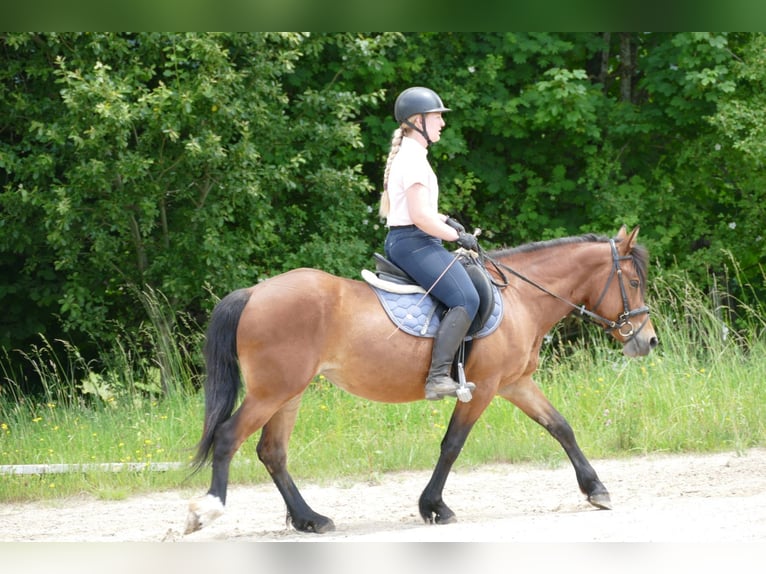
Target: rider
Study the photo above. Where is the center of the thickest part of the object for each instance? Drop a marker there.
(416, 229)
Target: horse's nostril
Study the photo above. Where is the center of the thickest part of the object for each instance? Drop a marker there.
(653, 342)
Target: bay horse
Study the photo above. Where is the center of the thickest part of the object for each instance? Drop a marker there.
(281, 333)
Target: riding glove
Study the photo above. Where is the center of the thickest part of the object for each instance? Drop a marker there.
(454, 224)
(467, 241)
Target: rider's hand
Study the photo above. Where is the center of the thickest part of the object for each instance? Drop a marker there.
(467, 241)
(454, 224)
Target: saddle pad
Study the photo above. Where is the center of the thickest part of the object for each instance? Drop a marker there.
(419, 315)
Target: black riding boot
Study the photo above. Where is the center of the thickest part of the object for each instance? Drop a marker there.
(451, 332)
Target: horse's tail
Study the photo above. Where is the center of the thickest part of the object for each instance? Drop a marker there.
(222, 381)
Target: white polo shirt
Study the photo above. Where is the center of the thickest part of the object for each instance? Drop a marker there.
(409, 166)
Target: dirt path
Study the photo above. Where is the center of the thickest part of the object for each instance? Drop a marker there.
(690, 498)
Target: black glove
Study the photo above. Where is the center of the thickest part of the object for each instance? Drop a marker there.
(467, 241)
(454, 224)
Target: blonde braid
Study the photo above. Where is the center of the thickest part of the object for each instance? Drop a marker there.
(396, 142)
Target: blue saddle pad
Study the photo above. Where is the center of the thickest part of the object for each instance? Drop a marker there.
(419, 315)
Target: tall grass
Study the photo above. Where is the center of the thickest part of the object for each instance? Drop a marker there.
(701, 390)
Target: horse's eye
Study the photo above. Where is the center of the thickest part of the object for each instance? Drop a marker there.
(634, 283)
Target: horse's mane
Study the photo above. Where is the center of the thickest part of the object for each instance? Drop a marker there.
(638, 254)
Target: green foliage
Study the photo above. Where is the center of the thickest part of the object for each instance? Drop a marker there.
(191, 164)
(175, 162)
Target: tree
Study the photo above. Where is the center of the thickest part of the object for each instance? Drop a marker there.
(178, 162)
(192, 164)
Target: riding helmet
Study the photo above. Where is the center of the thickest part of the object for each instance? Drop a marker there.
(417, 100)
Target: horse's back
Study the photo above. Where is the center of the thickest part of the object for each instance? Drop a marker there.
(306, 302)
(297, 296)
(306, 321)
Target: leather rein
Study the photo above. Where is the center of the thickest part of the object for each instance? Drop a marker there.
(623, 325)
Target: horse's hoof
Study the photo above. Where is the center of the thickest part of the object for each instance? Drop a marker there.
(445, 519)
(202, 512)
(325, 525)
(317, 524)
(443, 515)
(601, 500)
(316, 527)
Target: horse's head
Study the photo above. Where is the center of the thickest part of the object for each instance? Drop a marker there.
(620, 307)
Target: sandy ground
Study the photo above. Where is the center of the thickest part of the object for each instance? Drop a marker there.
(660, 498)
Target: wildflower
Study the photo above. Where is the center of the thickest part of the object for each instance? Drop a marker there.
(37, 419)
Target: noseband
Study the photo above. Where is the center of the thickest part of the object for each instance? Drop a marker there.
(624, 326)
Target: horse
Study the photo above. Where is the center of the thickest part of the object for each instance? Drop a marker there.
(281, 333)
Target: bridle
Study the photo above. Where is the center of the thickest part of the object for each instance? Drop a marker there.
(623, 325)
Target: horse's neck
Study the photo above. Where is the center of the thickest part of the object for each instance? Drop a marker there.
(569, 271)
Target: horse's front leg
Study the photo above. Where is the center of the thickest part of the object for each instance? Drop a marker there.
(432, 507)
(527, 396)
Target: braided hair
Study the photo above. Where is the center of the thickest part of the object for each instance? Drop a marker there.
(396, 142)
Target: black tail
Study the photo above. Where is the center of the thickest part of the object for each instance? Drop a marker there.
(222, 381)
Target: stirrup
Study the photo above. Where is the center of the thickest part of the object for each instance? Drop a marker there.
(462, 389)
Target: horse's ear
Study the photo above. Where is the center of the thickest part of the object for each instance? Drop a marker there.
(622, 233)
(627, 240)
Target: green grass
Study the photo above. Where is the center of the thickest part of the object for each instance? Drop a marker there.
(702, 390)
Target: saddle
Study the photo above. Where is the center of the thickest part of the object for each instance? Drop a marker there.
(419, 314)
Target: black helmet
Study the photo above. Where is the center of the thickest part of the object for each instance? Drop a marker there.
(417, 100)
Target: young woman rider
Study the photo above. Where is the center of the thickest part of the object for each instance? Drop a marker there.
(416, 229)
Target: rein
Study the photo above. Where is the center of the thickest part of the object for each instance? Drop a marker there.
(623, 324)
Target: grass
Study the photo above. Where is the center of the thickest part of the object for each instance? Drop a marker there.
(700, 391)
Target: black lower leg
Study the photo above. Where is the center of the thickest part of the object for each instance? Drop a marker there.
(587, 479)
(300, 514)
(432, 508)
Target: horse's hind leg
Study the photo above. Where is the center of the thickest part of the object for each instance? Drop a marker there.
(229, 436)
(527, 396)
(272, 451)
